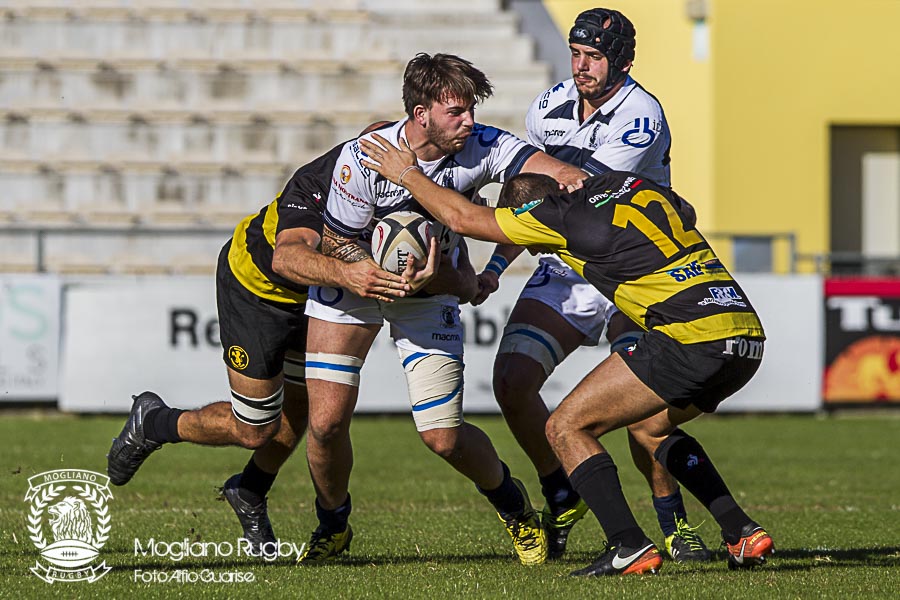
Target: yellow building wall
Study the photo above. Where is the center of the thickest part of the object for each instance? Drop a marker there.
(750, 125)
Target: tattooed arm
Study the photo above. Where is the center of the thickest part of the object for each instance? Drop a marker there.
(349, 251)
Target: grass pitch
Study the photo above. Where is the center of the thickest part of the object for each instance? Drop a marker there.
(825, 488)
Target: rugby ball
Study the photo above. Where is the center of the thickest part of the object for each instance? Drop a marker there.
(69, 553)
(399, 236)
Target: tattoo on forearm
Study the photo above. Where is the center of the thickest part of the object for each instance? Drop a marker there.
(342, 248)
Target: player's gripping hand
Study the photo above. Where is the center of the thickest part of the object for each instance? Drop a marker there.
(391, 162)
(419, 273)
(488, 283)
(367, 280)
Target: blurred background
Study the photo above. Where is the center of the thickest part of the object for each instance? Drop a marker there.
(134, 134)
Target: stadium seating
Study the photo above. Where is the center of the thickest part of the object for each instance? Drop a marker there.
(177, 113)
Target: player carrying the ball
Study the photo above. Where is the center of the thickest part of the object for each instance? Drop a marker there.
(634, 241)
(439, 94)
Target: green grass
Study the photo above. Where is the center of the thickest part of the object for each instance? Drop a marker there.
(826, 489)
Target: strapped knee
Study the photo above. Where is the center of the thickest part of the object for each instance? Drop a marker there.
(521, 338)
(337, 368)
(435, 383)
(257, 411)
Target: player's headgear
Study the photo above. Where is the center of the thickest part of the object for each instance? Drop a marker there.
(610, 32)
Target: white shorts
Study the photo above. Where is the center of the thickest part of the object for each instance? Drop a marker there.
(429, 325)
(428, 335)
(557, 285)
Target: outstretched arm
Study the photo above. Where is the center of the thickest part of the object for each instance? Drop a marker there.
(400, 166)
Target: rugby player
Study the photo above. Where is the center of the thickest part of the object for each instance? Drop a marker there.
(261, 288)
(635, 242)
(439, 95)
(599, 120)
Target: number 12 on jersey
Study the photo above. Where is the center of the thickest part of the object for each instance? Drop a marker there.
(625, 214)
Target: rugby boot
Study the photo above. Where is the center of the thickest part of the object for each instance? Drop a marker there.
(254, 518)
(527, 534)
(557, 527)
(751, 549)
(131, 448)
(618, 560)
(686, 545)
(325, 545)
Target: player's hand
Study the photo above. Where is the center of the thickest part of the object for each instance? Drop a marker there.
(418, 273)
(391, 160)
(367, 280)
(488, 283)
(571, 178)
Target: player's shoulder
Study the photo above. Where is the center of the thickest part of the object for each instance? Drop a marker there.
(551, 100)
(485, 137)
(636, 102)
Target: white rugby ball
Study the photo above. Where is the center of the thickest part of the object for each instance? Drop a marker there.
(69, 553)
(399, 236)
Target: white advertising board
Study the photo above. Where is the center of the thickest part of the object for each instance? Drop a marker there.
(162, 334)
(29, 337)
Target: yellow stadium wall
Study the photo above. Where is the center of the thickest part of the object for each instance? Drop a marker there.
(751, 125)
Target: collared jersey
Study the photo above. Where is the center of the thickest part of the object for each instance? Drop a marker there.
(300, 204)
(628, 133)
(358, 194)
(632, 240)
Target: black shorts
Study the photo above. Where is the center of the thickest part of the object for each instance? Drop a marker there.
(700, 374)
(255, 332)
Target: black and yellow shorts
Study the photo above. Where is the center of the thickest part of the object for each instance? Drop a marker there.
(701, 374)
(256, 333)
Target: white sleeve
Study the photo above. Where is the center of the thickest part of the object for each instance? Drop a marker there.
(633, 147)
(507, 153)
(350, 205)
(534, 122)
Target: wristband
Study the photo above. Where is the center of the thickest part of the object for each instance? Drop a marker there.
(497, 264)
(407, 170)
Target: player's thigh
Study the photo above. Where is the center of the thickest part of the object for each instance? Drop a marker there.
(255, 335)
(428, 335)
(608, 398)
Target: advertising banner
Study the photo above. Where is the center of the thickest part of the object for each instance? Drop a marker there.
(29, 337)
(862, 347)
(161, 334)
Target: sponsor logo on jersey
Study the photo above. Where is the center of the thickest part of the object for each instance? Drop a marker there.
(643, 133)
(556, 132)
(74, 501)
(345, 174)
(713, 264)
(629, 184)
(527, 207)
(345, 194)
(388, 193)
(723, 296)
(683, 273)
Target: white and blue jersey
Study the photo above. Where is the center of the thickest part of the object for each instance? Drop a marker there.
(358, 194)
(628, 133)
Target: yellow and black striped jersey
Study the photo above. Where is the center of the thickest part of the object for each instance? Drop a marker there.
(635, 243)
(300, 204)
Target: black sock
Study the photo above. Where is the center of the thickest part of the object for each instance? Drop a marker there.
(506, 498)
(597, 481)
(335, 520)
(558, 491)
(687, 461)
(255, 483)
(667, 509)
(161, 425)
